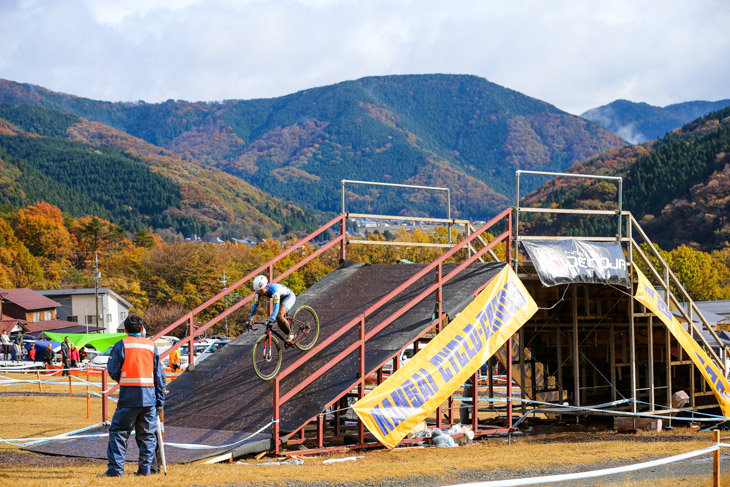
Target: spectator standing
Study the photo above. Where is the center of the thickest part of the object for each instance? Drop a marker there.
(31, 352)
(65, 355)
(18, 343)
(5, 341)
(175, 360)
(82, 354)
(48, 356)
(75, 358)
(134, 362)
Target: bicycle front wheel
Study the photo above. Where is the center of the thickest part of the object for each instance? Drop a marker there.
(266, 356)
(305, 325)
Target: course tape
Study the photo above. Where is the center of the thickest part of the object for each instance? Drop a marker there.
(191, 446)
(41, 439)
(592, 473)
(71, 435)
(62, 436)
(564, 408)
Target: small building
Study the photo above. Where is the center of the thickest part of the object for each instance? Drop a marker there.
(720, 308)
(11, 325)
(717, 313)
(80, 305)
(27, 305)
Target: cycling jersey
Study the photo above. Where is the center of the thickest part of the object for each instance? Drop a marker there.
(281, 296)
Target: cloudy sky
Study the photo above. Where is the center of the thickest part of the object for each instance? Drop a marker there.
(575, 54)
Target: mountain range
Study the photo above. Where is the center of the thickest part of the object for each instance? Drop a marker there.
(86, 168)
(272, 166)
(676, 186)
(457, 131)
(639, 122)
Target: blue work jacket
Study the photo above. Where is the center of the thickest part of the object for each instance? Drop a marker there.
(136, 396)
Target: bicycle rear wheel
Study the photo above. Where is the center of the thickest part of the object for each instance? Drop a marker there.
(266, 357)
(305, 325)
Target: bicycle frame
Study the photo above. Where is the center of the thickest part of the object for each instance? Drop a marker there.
(270, 330)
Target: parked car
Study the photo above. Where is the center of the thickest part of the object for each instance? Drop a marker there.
(406, 354)
(171, 339)
(212, 348)
(101, 360)
(91, 352)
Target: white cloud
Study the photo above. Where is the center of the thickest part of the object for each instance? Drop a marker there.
(571, 53)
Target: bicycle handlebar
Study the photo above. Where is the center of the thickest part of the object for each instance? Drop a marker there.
(250, 325)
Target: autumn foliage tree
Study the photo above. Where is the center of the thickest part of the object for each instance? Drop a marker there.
(18, 267)
(165, 280)
(41, 229)
(90, 235)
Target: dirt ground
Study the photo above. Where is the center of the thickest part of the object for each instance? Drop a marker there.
(544, 450)
(537, 450)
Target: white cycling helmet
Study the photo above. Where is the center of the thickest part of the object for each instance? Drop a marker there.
(260, 283)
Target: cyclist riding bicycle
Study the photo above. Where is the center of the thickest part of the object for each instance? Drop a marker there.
(283, 297)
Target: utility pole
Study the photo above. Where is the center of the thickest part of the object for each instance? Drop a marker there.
(97, 276)
(224, 281)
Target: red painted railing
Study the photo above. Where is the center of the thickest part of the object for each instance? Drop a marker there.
(189, 319)
(360, 344)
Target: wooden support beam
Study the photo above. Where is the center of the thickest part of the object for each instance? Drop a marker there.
(632, 348)
(523, 375)
(650, 345)
(668, 368)
(559, 341)
(576, 356)
(612, 359)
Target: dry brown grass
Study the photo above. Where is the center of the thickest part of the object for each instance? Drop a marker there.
(35, 416)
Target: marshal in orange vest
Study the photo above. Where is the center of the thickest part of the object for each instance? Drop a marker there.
(139, 362)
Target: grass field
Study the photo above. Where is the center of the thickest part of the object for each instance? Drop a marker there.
(24, 416)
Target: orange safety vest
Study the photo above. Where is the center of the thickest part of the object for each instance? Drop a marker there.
(175, 357)
(139, 362)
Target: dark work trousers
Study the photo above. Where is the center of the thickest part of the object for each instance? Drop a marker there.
(143, 421)
(66, 366)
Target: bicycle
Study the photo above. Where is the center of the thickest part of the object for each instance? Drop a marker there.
(266, 354)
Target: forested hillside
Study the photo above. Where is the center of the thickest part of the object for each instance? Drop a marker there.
(458, 131)
(639, 122)
(86, 168)
(676, 186)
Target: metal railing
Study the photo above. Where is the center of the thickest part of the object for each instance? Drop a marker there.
(518, 208)
(268, 268)
(448, 219)
(279, 398)
(667, 280)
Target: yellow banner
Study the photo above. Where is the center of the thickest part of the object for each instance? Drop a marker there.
(647, 295)
(413, 392)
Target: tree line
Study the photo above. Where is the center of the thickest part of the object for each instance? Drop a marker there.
(41, 248)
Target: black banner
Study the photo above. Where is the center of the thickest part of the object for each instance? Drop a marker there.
(572, 261)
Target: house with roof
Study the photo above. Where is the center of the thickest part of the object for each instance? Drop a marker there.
(80, 306)
(25, 310)
(8, 324)
(11, 325)
(717, 313)
(719, 309)
(28, 305)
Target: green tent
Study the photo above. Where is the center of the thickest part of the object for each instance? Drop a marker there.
(100, 341)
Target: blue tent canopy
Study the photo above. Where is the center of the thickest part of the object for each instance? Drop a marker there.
(43, 344)
(40, 347)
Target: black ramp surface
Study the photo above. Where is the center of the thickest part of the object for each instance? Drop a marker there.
(222, 400)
